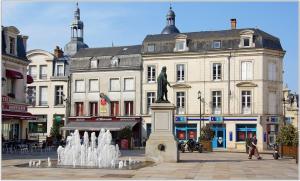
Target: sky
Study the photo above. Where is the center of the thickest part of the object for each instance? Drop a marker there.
(127, 23)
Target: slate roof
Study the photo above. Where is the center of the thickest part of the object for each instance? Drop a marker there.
(108, 51)
(202, 41)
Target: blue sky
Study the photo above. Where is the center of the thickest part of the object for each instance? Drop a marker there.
(47, 23)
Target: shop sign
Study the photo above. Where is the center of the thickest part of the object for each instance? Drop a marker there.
(274, 119)
(180, 119)
(14, 107)
(216, 118)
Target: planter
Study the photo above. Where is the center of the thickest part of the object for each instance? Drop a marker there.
(207, 145)
(290, 151)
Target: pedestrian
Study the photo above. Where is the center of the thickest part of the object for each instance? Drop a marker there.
(253, 148)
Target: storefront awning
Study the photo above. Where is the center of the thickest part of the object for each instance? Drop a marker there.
(17, 115)
(29, 79)
(14, 74)
(96, 126)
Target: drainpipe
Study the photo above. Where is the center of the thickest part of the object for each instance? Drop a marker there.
(229, 91)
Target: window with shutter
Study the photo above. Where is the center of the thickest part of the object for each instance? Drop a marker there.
(246, 70)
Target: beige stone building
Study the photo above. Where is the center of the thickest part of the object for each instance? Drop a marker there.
(290, 107)
(14, 66)
(237, 71)
(46, 96)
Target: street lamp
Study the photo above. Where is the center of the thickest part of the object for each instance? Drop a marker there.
(199, 97)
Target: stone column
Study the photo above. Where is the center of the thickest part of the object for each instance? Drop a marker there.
(162, 145)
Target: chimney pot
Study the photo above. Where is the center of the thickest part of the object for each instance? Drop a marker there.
(58, 52)
(233, 24)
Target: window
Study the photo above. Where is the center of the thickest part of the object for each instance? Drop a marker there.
(272, 71)
(94, 63)
(186, 131)
(114, 108)
(180, 102)
(247, 70)
(217, 44)
(216, 102)
(43, 96)
(246, 102)
(11, 90)
(114, 85)
(79, 86)
(31, 95)
(272, 103)
(32, 71)
(217, 71)
(128, 84)
(180, 72)
(79, 108)
(93, 108)
(38, 127)
(246, 42)
(43, 71)
(12, 45)
(93, 85)
(151, 73)
(59, 92)
(150, 100)
(180, 46)
(244, 131)
(151, 48)
(128, 108)
(59, 70)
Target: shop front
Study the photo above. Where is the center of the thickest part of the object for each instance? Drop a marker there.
(14, 120)
(185, 130)
(272, 128)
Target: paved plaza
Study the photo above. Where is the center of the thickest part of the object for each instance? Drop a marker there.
(214, 165)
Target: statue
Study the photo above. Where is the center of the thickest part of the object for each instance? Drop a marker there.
(162, 83)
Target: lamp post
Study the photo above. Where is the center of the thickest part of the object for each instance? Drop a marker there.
(199, 97)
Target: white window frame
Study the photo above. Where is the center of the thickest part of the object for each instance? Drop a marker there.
(246, 70)
(15, 45)
(94, 63)
(180, 72)
(181, 105)
(272, 71)
(216, 42)
(133, 84)
(43, 76)
(246, 105)
(217, 98)
(60, 94)
(90, 83)
(217, 76)
(57, 73)
(76, 88)
(43, 103)
(152, 78)
(34, 76)
(110, 86)
(150, 99)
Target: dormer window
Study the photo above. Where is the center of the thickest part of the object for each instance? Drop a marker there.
(94, 63)
(246, 39)
(216, 44)
(12, 46)
(151, 48)
(181, 43)
(59, 70)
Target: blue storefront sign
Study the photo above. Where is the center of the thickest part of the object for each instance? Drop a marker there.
(180, 119)
(216, 119)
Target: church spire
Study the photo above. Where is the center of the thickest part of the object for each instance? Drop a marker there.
(170, 27)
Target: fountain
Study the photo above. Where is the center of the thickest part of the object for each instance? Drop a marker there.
(89, 153)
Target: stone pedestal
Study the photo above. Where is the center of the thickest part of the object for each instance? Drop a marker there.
(162, 145)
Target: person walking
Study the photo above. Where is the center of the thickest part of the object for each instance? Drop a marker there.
(253, 148)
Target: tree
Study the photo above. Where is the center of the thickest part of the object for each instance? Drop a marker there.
(288, 135)
(55, 132)
(207, 134)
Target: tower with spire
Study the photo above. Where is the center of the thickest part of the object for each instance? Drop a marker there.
(76, 42)
(170, 27)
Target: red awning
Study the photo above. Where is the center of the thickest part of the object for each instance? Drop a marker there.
(29, 79)
(18, 115)
(14, 74)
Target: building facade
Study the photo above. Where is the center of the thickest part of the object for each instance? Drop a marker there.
(14, 67)
(237, 71)
(46, 96)
(290, 107)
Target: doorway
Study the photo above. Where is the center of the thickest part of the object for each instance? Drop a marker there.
(219, 140)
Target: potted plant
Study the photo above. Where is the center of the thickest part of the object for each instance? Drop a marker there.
(288, 139)
(206, 136)
(125, 135)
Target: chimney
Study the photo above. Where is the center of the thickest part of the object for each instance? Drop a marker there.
(25, 38)
(58, 52)
(233, 24)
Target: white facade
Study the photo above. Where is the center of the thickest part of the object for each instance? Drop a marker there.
(48, 92)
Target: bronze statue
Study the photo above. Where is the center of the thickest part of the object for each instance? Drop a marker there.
(162, 84)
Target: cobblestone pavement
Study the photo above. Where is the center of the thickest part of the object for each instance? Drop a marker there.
(214, 165)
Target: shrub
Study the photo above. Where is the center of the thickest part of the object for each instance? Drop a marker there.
(206, 134)
(288, 135)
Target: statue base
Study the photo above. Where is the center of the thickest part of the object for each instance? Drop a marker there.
(162, 145)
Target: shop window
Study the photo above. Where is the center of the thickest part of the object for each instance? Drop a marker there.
(93, 108)
(128, 108)
(114, 108)
(151, 71)
(37, 127)
(244, 131)
(59, 92)
(79, 108)
(150, 100)
(186, 131)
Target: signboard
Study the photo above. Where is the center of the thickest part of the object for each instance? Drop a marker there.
(58, 119)
(14, 107)
(180, 119)
(216, 118)
(103, 105)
